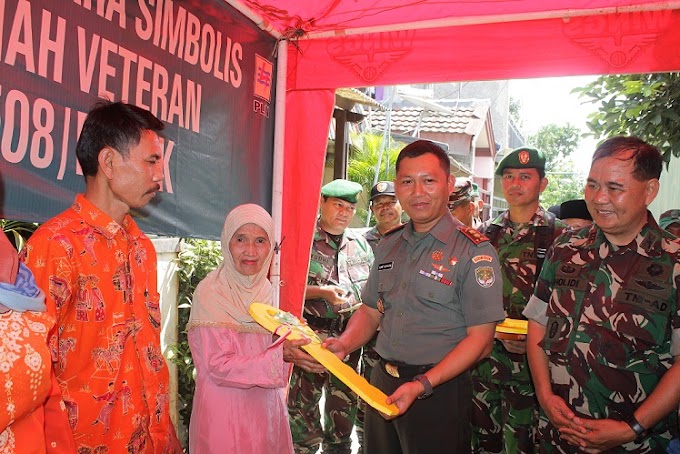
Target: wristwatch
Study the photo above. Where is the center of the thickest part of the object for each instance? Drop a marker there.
(637, 427)
(426, 384)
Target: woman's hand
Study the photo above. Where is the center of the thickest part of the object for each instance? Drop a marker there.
(292, 353)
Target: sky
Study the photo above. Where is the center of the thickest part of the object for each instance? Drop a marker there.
(548, 100)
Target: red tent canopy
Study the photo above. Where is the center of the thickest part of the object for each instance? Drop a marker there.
(357, 43)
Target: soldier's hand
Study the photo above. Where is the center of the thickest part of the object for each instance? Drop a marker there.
(559, 413)
(335, 346)
(292, 353)
(403, 397)
(335, 295)
(600, 434)
(515, 346)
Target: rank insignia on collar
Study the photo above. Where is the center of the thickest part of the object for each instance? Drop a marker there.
(380, 306)
(437, 255)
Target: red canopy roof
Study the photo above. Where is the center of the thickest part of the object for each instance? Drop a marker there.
(356, 43)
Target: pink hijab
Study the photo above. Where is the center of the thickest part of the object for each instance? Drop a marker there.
(223, 297)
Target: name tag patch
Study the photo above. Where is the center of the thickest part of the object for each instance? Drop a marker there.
(385, 266)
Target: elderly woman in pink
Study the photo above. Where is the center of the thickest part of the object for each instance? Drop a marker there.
(239, 405)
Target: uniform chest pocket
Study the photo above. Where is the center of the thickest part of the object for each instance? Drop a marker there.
(630, 338)
(358, 271)
(434, 287)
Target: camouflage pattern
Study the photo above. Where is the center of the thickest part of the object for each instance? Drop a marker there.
(369, 360)
(340, 411)
(347, 267)
(611, 315)
(504, 404)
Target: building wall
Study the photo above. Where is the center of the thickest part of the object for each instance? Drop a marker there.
(668, 192)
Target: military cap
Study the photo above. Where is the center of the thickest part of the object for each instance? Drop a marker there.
(555, 209)
(669, 217)
(342, 189)
(522, 158)
(382, 188)
(575, 209)
(461, 192)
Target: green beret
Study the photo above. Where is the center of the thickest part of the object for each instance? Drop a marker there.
(342, 189)
(669, 217)
(461, 192)
(522, 158)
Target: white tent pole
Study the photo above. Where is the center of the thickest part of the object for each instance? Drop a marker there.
(253, 16)
(277, 183)
(564, 14)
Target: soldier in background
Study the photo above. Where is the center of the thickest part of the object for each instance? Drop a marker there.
(670, 221)
(338, 269)
(460, 203)
(575, 214)
(477, 217)
(604, 329)
(505, 407)
(386, 209)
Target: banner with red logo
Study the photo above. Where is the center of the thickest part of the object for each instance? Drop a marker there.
(198, 65)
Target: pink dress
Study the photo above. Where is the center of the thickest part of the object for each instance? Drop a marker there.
(239, 404)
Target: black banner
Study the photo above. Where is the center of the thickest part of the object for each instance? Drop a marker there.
(198, 65)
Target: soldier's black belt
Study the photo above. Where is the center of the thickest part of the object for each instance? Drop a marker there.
(401, 370)
(336, 325)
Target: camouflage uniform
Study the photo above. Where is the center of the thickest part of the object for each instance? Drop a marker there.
(347, 267)
(505, 406)
(610, 316)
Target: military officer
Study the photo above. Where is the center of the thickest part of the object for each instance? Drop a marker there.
(505, 406)
(460, 203)
(604, 329)
(435, 292)
(338, 270)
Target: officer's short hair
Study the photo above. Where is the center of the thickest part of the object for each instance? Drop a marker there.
(647, 160)
(112, 124)
(421, 147)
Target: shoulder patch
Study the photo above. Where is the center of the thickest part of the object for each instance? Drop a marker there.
(472, 234)
(394, 229)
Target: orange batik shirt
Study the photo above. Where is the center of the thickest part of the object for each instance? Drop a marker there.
(100, 281)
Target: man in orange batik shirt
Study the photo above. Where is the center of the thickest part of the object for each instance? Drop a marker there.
(99, 272)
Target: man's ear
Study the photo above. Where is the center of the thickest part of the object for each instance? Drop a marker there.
(105, 160)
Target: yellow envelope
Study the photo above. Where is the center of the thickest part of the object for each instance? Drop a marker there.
(512, 326)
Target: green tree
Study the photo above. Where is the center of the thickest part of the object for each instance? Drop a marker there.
(559, 143)
(363, 161)
(643, 105)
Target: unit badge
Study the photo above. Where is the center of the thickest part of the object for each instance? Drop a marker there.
(485, 276)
